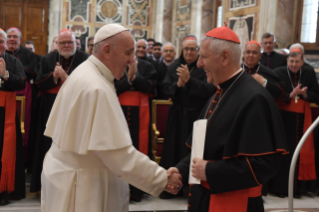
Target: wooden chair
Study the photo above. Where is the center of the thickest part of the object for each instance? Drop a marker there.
(20, 106)
(160, 110)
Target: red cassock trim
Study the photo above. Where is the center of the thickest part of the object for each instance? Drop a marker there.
(307, 170)
(233, 200)
(139, 99)
(8, 101)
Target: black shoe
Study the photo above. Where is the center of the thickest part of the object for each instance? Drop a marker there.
(136, 199)
(297, 195)
(4, 202)
(281, 195)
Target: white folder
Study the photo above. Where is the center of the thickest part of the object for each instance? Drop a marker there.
(198, 143)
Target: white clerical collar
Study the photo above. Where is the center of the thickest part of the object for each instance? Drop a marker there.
(234, 74)
(167, 63)
(102, 68)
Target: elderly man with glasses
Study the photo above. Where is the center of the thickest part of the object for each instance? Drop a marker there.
(54, 70)
(187, 86)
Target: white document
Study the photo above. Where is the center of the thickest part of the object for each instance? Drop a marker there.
(198, 143)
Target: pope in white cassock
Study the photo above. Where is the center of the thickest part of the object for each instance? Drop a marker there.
(92, 155)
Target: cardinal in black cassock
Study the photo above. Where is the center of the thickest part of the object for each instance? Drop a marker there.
(300, 84)
(49, 89)
(12, 183)
(133, 91)
(244, 135)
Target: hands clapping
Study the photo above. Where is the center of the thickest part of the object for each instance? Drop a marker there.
(59, 73)
(2, 67)
(174, 182)
(183, 74)
(297, 91)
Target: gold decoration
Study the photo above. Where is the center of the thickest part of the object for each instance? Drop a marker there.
(109, 9)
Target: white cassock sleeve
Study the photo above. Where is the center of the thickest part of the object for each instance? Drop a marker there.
(135, 168)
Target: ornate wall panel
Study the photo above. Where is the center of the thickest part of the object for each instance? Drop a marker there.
(85, 17)
(243, 27)
(243, 17)
(109, 11)
(240, 4)
(181, 23)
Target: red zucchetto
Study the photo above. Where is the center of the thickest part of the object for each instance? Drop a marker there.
(295, 50)
(254, 42)
(223, 33)
(64, 30)
(190, 38)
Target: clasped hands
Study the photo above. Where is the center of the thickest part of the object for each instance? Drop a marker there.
(175, 178)
(297, 91)
(59, 73)
(2, 67)
(183, 74)
(132, 69)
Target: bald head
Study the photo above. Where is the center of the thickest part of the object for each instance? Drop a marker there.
(168, 52)
(141, 47)
(252, 54)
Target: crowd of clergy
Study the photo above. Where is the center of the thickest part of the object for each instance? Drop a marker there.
(161, 74)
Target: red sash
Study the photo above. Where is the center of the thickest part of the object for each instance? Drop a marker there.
(233, 200)
(139, 99)
(307, 170)
(8, 101)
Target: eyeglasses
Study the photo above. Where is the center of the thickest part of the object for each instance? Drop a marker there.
(66, 42)
(192, 49)
(13, 36)
(90, 45)
(168, 50)
(251, 52)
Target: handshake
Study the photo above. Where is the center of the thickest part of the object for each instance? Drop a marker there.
(174, 181)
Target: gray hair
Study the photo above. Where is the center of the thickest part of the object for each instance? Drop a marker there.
(297, 45)
(168, 44)
(4, 35)
(218, 46)
(14, 30)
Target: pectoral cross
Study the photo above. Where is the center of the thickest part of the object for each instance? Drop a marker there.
(296, 99)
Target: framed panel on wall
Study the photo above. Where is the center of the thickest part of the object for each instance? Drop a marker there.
(243, 27)
(240, 4)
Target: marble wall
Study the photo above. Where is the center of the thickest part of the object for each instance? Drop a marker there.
(85, 17)
(171, 20)
(285, 26)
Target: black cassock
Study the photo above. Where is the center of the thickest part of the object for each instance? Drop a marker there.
(294, 123)
(161, 69)
(272, 86)
(15, 82)
(145, 83)
(244, 142)
(273, 60)
(187, 104)
(48, 93)
(30, 65)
